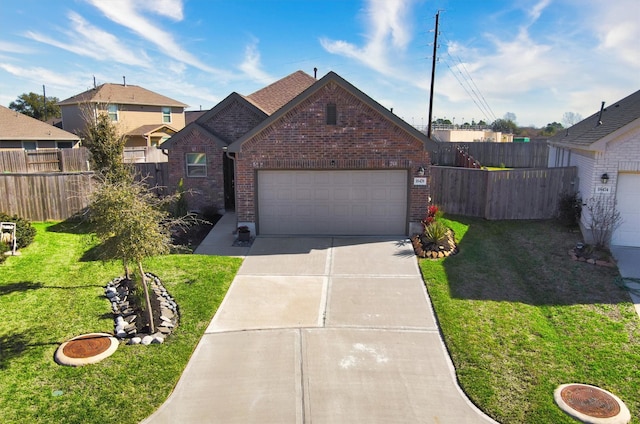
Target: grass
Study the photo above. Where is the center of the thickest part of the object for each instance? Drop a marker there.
(52, 293)
(519, 318)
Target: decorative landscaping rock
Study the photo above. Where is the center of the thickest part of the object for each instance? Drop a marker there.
(584, 253)
(129, 324)
(440, 250)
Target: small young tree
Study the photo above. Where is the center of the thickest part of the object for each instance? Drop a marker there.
(604, 219)
(132, 227)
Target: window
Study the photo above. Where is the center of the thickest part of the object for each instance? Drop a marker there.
(113, 112)
(196, 165)
(30, 145)
(332, 114)
(64, 144)
(166, 115)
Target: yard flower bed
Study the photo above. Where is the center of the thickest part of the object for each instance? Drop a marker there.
(519, 318)
(55, 291)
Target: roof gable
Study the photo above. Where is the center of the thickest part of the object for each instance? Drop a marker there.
(586, 133)
(187, 133)
(122, 94)
(362, 97)
(274, 96)
(16, 126)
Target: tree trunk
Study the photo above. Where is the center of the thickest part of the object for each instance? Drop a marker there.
(143, 278)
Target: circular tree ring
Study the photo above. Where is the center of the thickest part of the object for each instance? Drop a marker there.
(86, 349)
(591, 404)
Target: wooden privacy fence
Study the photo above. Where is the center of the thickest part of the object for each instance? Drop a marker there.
(508, 194)
(45, 160)
(509, 155)
(44, 197)
(60, 195)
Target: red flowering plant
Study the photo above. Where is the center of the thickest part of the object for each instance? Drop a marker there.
(433, 214)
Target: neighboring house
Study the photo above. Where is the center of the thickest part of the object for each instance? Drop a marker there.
(470, 134)
(18, 131)
(146, 118)
(605, 148)
(311, 157)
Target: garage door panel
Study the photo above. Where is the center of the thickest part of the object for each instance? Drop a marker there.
(628, 204)
(332, 202)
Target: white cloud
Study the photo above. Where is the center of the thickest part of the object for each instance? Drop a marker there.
(40, 76)
(251, 65)
(171, 9)
(388, 34)
(87, 40)
(127, 14)
(12, 48)
(616, 26)
(536, 11)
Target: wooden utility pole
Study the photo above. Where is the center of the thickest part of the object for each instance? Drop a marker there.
(433, 74)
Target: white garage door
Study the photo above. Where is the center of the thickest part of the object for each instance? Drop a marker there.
(332, 202)
(628, 204)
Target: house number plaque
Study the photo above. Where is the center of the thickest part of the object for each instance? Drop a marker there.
(420, 181)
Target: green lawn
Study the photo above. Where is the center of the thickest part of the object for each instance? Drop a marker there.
(53, 292)
(519, 318)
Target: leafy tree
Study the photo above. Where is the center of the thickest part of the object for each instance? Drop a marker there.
(132, 226)
(551, 128)
(33, 105)
(505, 126)
(106, 145)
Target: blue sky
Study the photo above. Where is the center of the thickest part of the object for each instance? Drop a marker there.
(536, 59)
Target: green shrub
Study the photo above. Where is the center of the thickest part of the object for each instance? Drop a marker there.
(25, 233)
(569, 209)
(3, 248)
(435, 232)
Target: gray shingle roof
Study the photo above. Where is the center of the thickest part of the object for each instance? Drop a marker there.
(588, 131)
(121, 94)
(16, 126)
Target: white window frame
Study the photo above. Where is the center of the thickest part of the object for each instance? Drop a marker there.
(113, 113)
(166, 114)
(196, 169)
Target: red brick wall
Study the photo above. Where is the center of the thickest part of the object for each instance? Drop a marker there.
(229, 123)
(207, 192)
(362, 139)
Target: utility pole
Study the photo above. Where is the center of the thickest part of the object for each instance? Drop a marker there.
(433, 74)
(44, 97)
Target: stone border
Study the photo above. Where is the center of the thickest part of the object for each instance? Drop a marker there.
(622, 417)
(124, 317)
(576, 257)
(440, 253)
(63, 359)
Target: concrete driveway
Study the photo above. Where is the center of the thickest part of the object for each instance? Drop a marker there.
(628, 259)
(322, 330)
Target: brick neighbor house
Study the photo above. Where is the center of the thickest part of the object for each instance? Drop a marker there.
(605, 149)
(306, 156)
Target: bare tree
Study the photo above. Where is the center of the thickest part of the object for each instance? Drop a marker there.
(604, 219)
(571, 118)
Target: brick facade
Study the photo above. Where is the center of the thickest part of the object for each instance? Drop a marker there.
(363, 138)
(231, 119)
(203, 192)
